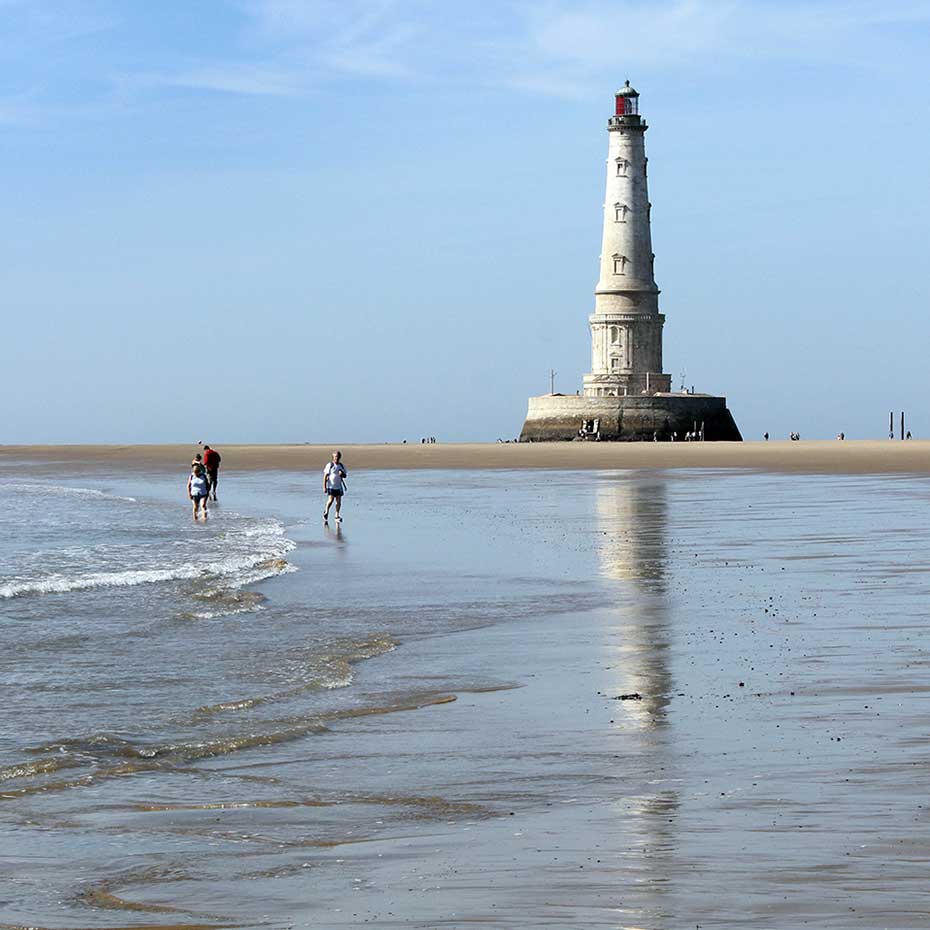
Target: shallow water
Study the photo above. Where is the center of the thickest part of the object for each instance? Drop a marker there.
(413, 720)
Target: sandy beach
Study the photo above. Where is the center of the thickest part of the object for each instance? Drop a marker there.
(805, 457)
(417, 720)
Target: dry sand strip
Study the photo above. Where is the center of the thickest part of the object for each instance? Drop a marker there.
(805, 457)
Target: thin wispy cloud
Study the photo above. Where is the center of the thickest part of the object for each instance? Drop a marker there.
(572, 43)
(565, 48)
(289, 48)
(373, 38)
(226, 79)
(31, 27)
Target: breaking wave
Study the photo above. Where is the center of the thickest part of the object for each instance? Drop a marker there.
(267, 547)
(63, 491)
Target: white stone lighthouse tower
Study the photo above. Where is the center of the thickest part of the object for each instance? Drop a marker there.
(626, 326)
(626, 395)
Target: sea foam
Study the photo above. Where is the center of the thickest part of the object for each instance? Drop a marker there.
(63, 491)
(266, 557)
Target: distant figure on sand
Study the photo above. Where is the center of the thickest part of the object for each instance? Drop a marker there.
(334, 485)
(211, 462)
(198, 490)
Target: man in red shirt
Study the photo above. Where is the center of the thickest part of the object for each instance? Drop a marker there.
(211, 462)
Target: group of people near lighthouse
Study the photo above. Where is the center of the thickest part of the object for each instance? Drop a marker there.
(204, 478)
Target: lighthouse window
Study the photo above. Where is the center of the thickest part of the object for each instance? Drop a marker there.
(619, 263)
(615, 335)
(622, 165)
(614, 363)
(620, 211)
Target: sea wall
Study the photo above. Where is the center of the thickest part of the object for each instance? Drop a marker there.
(558, 417)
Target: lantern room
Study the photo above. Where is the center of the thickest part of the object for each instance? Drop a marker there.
(627, 101)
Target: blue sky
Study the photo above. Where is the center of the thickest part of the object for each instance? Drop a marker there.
(275, 220)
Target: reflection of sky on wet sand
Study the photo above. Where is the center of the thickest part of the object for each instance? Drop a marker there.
(774, 626)
(797, 800)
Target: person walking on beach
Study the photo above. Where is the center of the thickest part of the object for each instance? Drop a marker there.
(211, 462)
(334, 485)
(198, 490)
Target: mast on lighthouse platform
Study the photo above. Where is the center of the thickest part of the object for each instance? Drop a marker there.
(626, 326)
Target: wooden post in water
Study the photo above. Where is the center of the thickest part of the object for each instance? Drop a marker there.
(891, 424)
(902, 424)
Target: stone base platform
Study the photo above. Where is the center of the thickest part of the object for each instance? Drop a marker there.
(635, 417)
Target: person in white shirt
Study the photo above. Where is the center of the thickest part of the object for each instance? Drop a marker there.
(198, 490)
(334, 485)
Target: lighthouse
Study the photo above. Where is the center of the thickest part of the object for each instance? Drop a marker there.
(626, 326)
(626, 396)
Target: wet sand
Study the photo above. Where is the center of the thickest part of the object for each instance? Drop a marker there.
(766, 774)
(810, 457)
(766, 770)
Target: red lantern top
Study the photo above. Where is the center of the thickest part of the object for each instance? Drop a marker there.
(627, 101)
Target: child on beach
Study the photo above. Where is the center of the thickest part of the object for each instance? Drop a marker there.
(197, 490)
(198, 460)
